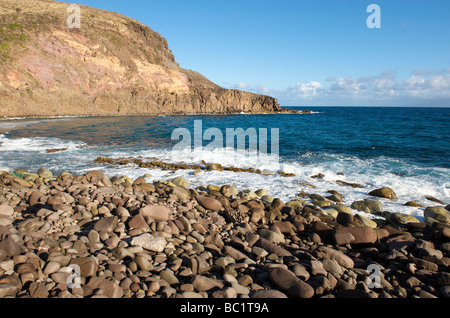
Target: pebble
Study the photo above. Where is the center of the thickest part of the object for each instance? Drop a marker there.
(169, 277)
(128, 242)
(7, 290)
(226, 292)
(106, 225)
(156, 212)
(340, 257)
(272, 248)
(271, 236)
(269, 293)
(150, 242)
(203, 283)
(290, 284)
(208, 203)
(109, 288)
(361, 234)
(384, 192)
(121, 252)
(6, 210)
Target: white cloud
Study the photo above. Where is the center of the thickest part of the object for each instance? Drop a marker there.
(424, 87)
(306, 90)
(345, 86)
(242, 85)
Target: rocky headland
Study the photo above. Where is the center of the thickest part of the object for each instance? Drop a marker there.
(98, 236)
(111, 65)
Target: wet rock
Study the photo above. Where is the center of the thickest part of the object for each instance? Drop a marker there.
(228, 191)
(368, 206)
(384, 192)
(341, 208)
(401, 218)
(181, 193)
(413, 203)
(345, 218)
(365, 221)
(45, 173)
(248, 194)
(436, 213)
(181, 182)
(431, 198)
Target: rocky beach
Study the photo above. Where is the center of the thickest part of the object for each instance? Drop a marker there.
(99, 236)
(99, 197)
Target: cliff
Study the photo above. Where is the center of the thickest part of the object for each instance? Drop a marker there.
(111, 65)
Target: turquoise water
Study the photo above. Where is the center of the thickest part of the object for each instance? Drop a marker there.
(404, 148)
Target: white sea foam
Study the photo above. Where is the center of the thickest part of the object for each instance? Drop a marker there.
(412, 183)
(36, 144)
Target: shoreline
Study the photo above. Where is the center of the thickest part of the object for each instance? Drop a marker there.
(282, 111)
(133, 239)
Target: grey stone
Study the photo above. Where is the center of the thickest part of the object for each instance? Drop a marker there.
(150, 242)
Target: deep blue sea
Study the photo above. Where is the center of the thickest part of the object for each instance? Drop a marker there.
(407, 149)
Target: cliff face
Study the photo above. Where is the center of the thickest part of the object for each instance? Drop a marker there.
(111, 65)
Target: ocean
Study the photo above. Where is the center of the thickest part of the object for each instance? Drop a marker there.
(406, 149)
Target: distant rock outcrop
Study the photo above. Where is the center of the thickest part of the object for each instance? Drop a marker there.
(111, 65)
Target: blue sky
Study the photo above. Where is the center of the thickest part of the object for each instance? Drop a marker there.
(308, 52)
